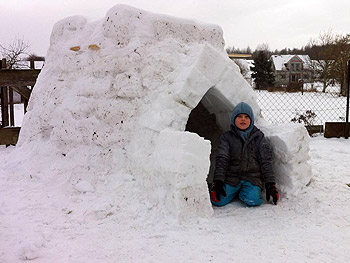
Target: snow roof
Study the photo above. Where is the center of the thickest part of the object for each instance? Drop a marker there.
(246, 62)
(279, 61)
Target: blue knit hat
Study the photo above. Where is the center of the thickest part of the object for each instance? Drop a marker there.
(243, 108)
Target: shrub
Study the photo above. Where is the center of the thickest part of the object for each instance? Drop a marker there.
(307, 118)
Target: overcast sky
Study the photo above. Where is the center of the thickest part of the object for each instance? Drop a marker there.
(279, 23)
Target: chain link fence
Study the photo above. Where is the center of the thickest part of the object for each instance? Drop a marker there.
(310, 106)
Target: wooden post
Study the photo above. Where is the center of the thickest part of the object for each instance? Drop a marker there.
(25, 104)
(1, 100)
(4, 100)
(32, 66)
(4, 107)
(12, 109)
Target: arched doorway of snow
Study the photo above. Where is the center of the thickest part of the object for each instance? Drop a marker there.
(181, 160)
(209, 119)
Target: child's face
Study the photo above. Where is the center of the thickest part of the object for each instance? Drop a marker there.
(242, 121)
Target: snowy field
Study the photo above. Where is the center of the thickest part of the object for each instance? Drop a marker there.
(281, 107)
(311, 227)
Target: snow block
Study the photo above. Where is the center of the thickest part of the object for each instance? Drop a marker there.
(185, 154)
(181, 161)
(290, 145)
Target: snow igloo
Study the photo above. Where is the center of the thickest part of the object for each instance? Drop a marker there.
(146, 95)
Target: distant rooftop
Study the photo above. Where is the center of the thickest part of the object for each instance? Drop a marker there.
(239, 56)
(279, 61)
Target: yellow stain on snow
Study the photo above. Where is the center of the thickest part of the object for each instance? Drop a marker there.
(76, 48)
(94, 47)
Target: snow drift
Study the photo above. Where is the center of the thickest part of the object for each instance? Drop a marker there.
(111, 107)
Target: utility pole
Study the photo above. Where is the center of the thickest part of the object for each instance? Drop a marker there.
(347, 103)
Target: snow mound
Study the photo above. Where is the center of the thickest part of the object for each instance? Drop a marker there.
(290, 145)
(30, 250)
(110, 107)
(84, 186)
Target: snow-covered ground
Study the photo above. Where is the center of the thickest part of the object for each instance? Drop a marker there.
(50, 226)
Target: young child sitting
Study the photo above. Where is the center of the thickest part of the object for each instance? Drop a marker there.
(243, 163)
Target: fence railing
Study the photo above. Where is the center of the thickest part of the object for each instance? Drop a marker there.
(14, 80)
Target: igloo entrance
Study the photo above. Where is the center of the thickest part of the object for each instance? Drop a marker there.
(204, 124)
(209, 119)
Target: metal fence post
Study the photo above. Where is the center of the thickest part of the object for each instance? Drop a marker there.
(347, 103)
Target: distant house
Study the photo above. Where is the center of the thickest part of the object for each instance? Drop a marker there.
(291, 69)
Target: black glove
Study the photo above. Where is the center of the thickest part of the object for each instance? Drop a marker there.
(217, 190)
(272, 191)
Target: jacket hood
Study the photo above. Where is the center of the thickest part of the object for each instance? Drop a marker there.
(243, 108)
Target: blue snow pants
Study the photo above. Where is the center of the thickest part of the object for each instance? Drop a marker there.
(247, 192)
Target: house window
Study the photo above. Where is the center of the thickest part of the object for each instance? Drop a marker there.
(293, 79)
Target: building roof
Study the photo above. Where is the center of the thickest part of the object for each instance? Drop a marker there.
(279, 61)
(239, 55)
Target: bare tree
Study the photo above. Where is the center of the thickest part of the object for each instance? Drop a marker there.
(341, 53)
(335, 50)
(322, 61)
(263, 47)
(15, 53)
